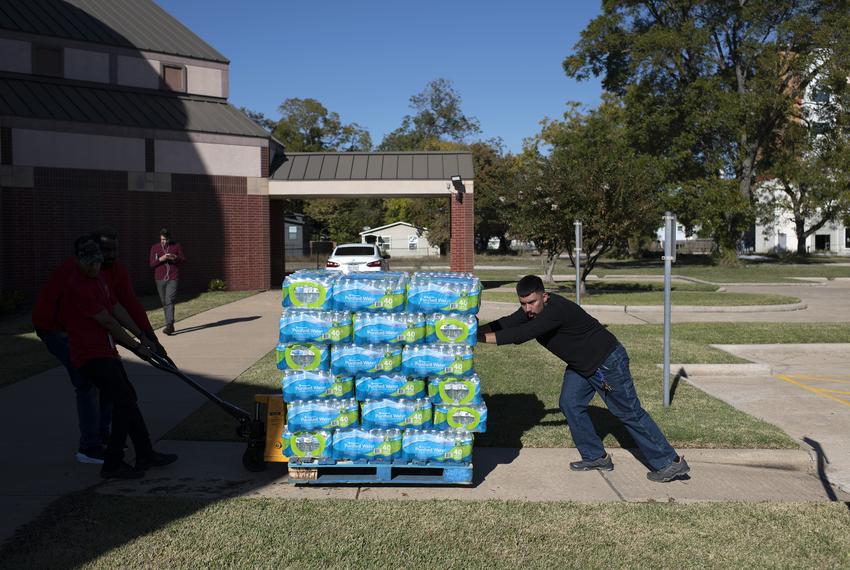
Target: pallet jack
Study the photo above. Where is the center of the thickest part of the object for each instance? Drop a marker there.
(262, 436)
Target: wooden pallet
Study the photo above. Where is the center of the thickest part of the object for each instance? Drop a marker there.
(368, 473)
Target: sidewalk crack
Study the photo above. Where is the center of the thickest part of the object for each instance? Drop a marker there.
(613, 488)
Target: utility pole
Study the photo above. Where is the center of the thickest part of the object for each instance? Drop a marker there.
(578, 262)
(669, 257)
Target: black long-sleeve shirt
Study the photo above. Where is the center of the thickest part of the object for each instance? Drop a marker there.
(565, 329)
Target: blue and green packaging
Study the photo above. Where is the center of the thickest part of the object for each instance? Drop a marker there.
(437, 360)
(313, 415)
(432, 446)
(365, 358)
(455, 389)
(359, 444)
(441, 292)
(309, 289)
(391, 328)
(307, 445)
(468, 417)
(370, 291)
(389, 385)
(303, 356)
(386, 413)
(451, 328)
(298, 325)
(315, 385)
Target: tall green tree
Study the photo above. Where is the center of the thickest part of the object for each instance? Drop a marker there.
(306, 125)
(708, 85)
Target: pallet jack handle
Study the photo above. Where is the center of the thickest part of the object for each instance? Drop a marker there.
(165, 364)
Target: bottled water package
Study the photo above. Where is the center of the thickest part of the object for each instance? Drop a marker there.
(386, 414)
(455, 390)
(469, 417)
(436, 292)
(297, 325)
(452, 446)
(315, 385)
(390, 385)
(313, 415)
(367, 444)
(309, 289)
(451, 328)
(365, 358)
(375, 291)
(437, 360)
(307, 445)
(391, 328)
(303, 356)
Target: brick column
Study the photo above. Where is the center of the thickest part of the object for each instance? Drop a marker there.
(276, 236)
(463, 233)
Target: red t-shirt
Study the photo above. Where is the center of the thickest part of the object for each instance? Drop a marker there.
(46, 311)
(87, 339)
(118, 280)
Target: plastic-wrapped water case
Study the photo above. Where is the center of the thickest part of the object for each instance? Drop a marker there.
(309, 289)
(455, 390)
(303, 356)
(451, 328)
(313, 415)
(390, 328)
(386, 414)
(437, 360)
(378, 386)
(365, 358)
(367, 445)
(307, 445)
(315, 385)
(432, 446)
(375, 291)
(298, 325)
(469, 417)
(437, 292)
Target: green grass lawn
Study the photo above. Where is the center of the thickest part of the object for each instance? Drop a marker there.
(521, 385)
(677, 297)
(22, 354)
(95, 531)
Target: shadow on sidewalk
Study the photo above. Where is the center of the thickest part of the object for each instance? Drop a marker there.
(509, 416)
(221, 323)
(822, 460)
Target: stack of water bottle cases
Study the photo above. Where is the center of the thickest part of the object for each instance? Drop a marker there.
(378, 367)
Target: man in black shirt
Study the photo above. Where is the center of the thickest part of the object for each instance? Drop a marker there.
(596, 363)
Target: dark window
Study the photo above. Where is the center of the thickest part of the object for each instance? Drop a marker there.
(847, 237)
(822, 243)
(172, 77)
(47, 61)
(355, 250)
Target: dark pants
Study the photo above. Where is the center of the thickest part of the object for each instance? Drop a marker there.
(167, 290)
(622, 401)
(110, 378)
(94, 409)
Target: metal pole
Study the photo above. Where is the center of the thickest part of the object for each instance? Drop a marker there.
(578, 262)
(669, 258)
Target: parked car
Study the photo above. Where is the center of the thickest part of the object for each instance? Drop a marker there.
(348, 257)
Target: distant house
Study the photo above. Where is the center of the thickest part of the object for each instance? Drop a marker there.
(298, 231)
(401, 239)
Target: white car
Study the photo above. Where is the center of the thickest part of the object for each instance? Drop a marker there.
(348, 257)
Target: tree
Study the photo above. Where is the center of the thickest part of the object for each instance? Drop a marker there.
(343, 220)
(708, 85)
(259, 118)
(307, 126)
(594, 175)
(494, 179)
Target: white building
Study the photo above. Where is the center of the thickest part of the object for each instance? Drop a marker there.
(781, 236)
(401, 239)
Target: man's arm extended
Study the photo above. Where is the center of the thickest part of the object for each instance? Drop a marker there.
(120, 335)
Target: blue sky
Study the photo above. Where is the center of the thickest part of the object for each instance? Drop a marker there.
(364, 59)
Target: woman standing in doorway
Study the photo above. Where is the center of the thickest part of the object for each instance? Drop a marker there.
(165, 258)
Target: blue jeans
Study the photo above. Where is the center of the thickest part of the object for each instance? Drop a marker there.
(622, 401)
(94, 412)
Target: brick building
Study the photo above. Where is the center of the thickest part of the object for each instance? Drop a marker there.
(113, 113)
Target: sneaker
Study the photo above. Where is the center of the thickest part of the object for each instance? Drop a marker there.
(121, 471)
(168, 330)
(604, 463)
(676, 469)
(155, 459)
(94, 455)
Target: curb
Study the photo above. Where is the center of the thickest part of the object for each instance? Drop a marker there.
(741, 369)
(699, 309)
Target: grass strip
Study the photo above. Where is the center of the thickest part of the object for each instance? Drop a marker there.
(95, 531)
(681, 298)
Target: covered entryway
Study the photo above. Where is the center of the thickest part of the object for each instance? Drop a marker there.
(377, 175)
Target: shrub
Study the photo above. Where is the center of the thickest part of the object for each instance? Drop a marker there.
(217, 285)
(10, 301)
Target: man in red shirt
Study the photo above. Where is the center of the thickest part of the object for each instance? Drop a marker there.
(95, 322)
(165, 258)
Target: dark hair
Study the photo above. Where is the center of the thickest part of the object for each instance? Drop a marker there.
(528, 285)
(165, 233)
(104, 233)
